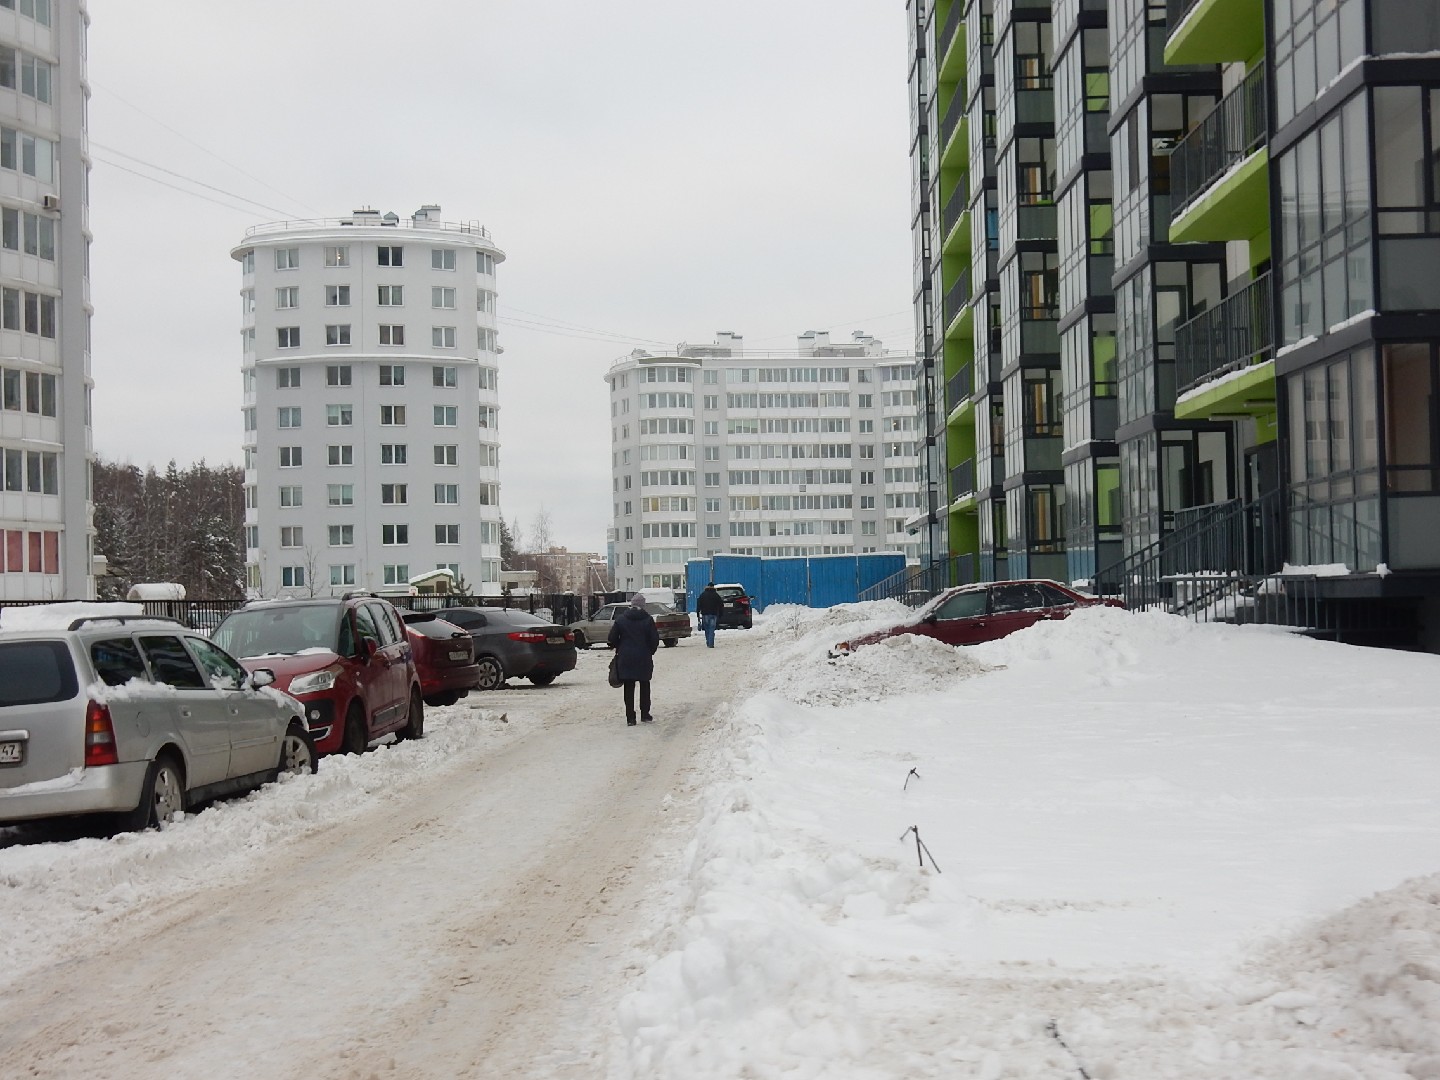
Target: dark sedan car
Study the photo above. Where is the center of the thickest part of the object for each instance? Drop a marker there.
(736, 612)
(514, 644)
(444, 657)
(970, 614)
(673, 625)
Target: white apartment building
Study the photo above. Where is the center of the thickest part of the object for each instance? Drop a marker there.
(371, 403)
(809, 451)
(46, 531)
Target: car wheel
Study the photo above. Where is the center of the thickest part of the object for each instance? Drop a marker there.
(581, 641)
(439, 701)
(297, 753)
(670, 643)
(492, 675)
(162, 796)
(414, 719)
(357, 736)
(542, 680)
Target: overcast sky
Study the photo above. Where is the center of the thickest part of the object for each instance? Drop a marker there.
(654, 171)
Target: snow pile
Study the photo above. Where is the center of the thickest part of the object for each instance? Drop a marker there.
(905, 663)
(60, 616)
(1161, 846)
(58, 891)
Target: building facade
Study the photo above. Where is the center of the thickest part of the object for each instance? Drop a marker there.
(46, 514)
(810, 451)
(1216, 235)
(371, 403)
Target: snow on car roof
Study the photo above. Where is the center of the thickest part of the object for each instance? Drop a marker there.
(60, 616)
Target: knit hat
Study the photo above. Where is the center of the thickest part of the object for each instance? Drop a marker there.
(637, 601)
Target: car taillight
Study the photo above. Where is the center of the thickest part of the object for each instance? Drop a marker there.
(569, 635)
(99, 736)
(526, 635)
(742, 601)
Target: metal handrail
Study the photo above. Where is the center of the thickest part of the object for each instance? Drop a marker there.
(960, 386)
(957, 295)
(1229, 133)
(473, 228)
(953, 112)
(1237, 333)
(953, 18)
(956, 203)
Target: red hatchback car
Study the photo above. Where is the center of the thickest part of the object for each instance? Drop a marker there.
(347, 660)
(444, 658)
(970, 614)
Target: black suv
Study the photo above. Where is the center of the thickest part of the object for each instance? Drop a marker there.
(736, 612)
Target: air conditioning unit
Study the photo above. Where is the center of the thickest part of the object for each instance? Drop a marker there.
(50, 202)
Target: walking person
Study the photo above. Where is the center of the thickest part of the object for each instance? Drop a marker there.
(634, 638)
(708, 605)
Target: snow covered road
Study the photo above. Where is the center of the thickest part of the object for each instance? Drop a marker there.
(464, 921)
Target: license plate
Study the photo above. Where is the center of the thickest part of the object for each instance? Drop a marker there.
(555, 640)
(11, 752)
(459, 656)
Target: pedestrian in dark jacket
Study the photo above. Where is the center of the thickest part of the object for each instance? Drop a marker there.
(709, 604)
(634, 638)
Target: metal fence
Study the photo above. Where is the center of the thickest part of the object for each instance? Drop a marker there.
(1237, 332)
(1228, 134)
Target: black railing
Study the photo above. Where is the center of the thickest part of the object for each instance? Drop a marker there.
(953, 114)
(962, 479)
(916, 584)
(1175, 12)
(957, 295)
(953, 19)
(956, 203)
(1228, 134)
(959, 386)
(1236, 333)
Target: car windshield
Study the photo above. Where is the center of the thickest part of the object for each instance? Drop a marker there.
(279, 631)
(659, 609)
(729, 592)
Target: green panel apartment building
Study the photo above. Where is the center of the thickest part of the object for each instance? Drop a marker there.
(1178, 291)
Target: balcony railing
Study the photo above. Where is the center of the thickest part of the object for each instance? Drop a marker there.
(953, 113)
(953, 19)
(1228, 134)
(1175, 12)
(956, 203)
(957, 295)
(1237, 333)
(959, 386)
(962, 479)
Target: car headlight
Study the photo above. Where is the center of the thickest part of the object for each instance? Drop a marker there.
(313, 683)
(842, 649)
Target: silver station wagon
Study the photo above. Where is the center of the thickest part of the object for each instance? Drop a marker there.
(137, 718)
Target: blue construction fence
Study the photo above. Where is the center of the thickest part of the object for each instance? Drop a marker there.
(811, 581)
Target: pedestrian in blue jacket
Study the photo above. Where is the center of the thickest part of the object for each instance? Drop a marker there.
(634, 638)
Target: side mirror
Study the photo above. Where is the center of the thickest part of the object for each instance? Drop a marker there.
(262, 677)
(931, 619)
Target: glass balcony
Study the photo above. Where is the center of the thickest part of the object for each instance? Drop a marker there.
(1232, 131)
(1237, 333)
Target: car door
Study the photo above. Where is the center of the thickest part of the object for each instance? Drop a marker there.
(1014, 606)
(376, 679)
(399, 653)
(199, 713)
(598, 629)
(1058, 603)
(961, 619)
(257, 723)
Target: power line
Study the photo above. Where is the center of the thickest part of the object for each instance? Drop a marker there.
(176, 187)
(191, 179)
(568, 325)
(108, 93)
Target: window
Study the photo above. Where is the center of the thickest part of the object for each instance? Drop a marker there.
(290, 457)
(287, 378)
(292, 536)
(442, 337)
(485, 301)
(288, 416)
(398, 574)
(443, 376)
(390, 256)
(442, 258)
(394, 535)
(337, 375)
(338, 255)
(339, 415)
(292, 577)
(392, 334)
(445, 454)
(287, 337)
(392, 415)
(340, 454)
(343, 574)
(290, 495)
(392, 375)
(447, 534)
(340, 494)
(484, 262)
(337, 295)
(447, 493)
(337, 334)
(287, 258)
(394, 494)
(446, 415)
(393, 453)
(442, 296)
(287, 296)
(485, 340)
(391, 295)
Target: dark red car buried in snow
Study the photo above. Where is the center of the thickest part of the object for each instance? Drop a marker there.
(970, 614)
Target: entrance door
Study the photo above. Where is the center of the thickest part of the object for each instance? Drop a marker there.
(1264, 514)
